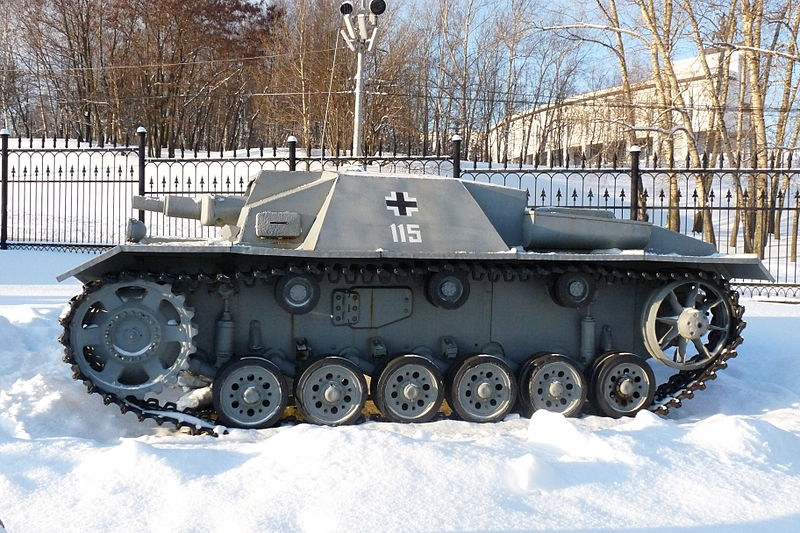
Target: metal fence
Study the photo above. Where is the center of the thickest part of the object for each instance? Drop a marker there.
(722, 205)
(64, 194)
(70, 194)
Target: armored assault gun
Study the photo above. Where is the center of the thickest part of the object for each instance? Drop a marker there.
(422, 295)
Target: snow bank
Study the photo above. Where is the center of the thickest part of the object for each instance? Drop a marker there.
(729, 460)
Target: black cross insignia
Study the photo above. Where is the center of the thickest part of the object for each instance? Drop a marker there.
(402, 206)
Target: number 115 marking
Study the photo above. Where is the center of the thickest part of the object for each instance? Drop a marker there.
(406, 233)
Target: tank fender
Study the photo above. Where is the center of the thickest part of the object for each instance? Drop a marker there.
(663, 241)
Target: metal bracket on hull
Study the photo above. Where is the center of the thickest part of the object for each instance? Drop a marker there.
(371, 307)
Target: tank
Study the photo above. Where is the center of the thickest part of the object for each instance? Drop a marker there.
(330, 297)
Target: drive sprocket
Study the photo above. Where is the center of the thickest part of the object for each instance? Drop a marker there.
(131, 337)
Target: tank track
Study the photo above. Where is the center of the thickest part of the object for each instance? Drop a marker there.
(669, 395)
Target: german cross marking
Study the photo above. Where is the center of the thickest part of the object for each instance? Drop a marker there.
(400, 205)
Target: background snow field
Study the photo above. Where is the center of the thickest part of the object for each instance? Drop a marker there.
(729, 460)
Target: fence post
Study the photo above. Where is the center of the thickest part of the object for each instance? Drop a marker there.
(4, 133)
(457, 156)
(142, 133)
(292, 140)
(635, 178)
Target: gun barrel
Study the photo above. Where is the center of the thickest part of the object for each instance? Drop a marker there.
(210, 210)
(171, 206)
(146, 203)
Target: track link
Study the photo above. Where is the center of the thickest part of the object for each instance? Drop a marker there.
(669, 395)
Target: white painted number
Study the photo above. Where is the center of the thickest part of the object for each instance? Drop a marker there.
(414, 234)
(406, 233)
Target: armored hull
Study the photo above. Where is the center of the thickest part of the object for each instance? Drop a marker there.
(425, 295)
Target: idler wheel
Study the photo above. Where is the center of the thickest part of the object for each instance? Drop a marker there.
(297, 294)
(482, 389)
(409, 389)
(686, 324)
(331, 391)
(551, 382)
(250, 392)
(623, 384)
(447, 290)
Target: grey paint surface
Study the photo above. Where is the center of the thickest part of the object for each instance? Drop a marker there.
(306, 200)
(369, 216)
(270, 183)
(745, 266)
(550, 229)
(502, 207)
(433, 215)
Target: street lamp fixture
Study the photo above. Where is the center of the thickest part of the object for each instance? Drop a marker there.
(360, 19)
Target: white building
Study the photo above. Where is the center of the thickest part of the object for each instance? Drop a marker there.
(593, 125)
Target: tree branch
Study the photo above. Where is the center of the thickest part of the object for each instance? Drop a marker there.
(765, 51)
(587, 26)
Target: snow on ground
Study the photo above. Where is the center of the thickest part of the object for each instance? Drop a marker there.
(729, 460)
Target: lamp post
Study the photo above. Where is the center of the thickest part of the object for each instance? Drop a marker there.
(360, 27)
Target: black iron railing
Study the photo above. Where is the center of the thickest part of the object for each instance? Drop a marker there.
(71, 194)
